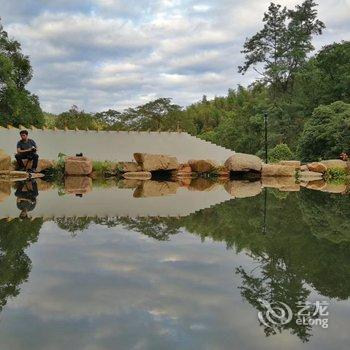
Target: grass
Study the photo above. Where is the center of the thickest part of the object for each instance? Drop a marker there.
(337, 176)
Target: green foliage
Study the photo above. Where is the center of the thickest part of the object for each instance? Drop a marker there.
(102, 167)
(336, 175)
(280, 152)
(17, 105)
(327, 133)
(283, 43)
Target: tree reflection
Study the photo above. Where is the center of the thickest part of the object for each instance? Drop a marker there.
(15, 265)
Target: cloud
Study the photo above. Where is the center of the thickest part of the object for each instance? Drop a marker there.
(101, 54)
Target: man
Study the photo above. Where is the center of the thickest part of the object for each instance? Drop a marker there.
(26, 194)
(26, 149)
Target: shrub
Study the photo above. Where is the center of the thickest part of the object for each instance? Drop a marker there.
(280, 152)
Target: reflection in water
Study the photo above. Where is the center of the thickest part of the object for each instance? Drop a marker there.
(306, 248)
(15, 237)
(26, 193)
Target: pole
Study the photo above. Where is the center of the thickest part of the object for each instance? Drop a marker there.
(265, 122)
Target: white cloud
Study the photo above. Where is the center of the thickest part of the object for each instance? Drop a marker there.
(103, 53)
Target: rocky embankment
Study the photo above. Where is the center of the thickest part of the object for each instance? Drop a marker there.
(285, 175)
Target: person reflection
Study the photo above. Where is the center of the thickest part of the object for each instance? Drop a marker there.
(26, 193)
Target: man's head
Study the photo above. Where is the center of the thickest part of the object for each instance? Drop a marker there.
(24, 135)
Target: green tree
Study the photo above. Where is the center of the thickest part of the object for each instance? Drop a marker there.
(327, 133)
(281, 47)
(17, 105)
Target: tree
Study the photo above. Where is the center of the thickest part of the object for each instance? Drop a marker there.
(327, 133)
(281, 47)
(17, 105)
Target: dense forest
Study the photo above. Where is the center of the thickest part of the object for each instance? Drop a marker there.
(305, 95)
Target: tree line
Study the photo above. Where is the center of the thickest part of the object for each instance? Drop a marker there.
(306, 97)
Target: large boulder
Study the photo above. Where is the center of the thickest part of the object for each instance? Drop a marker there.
(243, 189)
(5, 190)
(5, 161)
(154, 162)
(203, 165)
(294, 163)
(78, 166)
(201, 184)
(318, 167)
(137, 175)
(306, 176)
(243, 162)
(43, 164)
(129, 167)
(277, 170)
(335, 163)
(77, 185)
(155, 189)
(282, 183)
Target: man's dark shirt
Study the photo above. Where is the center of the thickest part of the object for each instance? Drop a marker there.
(29, 192)
(26, 145)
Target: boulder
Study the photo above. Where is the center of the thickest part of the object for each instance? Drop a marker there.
(203, 165)
(5, 190)
(156, 189)
(184, 181)
(201, 184)
(243, 162)
(304, 168)
(78, 185)
(282, 183)
(317, 167)
(277, 170)
(335, 188)
(78, 166)
(185, 168)
(5, 161)
(43, 164)
(184, 171)
(138, 175)
(317, 185)
(154, 162)
(306, 176)
(129, 183)
(294, 163)
(243, 189)
(335, 163)
(129, 167)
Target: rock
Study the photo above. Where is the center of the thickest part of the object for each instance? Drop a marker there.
(317, 167)
(243, 189)
(43, 164)
(78, 166)
(310, 175)
(154, 162)
(203, 165)
(294, 163)
(43, 185)
(184, 171)
(5, 190)
(335, 163)
(184, 181)
(277, 170)
(335, 188)
(201, 184)
(5, 161)
(156, 189)
(304, 168)
(243, 162)
(129, 183)
(138, 175)
(185, 168)
(317, 185)
(129, 167)
(78, 185)
(282, 183)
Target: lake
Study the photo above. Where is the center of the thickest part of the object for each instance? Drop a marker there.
(150, 266)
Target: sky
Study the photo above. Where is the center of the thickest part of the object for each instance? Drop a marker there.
(101, 54)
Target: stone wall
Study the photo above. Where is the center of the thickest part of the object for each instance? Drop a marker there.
(115, 145)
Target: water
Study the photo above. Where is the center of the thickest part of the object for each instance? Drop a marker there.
(192, 281)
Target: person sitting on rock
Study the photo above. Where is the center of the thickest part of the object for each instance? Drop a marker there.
(26, 149)
(26, 193)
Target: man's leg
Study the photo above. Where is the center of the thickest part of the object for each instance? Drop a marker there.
(19, 159)
(35, 159)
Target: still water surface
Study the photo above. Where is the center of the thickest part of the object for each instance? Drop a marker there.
(191, 282)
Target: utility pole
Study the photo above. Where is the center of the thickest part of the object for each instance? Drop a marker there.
(265, 122)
